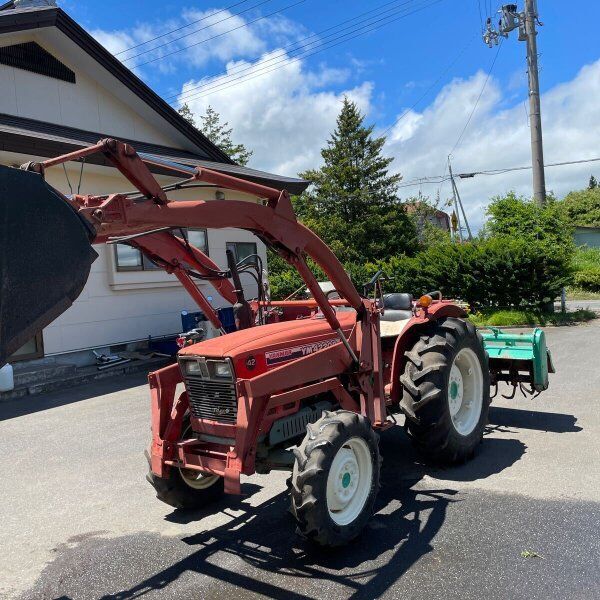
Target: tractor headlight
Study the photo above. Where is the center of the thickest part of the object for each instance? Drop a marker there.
(220, 369)
(192, 367)
(195, 367)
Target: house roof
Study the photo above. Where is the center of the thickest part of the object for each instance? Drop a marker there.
(22, 19)
(29, 136)
(46, 139)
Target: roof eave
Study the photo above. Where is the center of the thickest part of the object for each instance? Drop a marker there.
(22, 20)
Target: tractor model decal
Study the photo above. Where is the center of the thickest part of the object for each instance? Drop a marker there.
(279, 356)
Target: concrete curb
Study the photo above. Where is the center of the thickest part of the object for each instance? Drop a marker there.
(80, 378)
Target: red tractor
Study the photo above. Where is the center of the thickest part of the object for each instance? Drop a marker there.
(302, 385)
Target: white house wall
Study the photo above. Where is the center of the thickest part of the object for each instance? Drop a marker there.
(114, 307)
(86, 104)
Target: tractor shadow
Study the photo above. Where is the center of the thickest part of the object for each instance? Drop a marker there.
(502, 417)
(263, 556)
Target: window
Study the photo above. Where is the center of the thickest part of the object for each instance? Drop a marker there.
(132, 259)
(34, 348)
(242, 250)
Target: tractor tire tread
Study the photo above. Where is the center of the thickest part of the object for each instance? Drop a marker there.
(424, 382)
(309, 478)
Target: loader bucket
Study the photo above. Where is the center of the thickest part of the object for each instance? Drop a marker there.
(519, 357)
(45, 256)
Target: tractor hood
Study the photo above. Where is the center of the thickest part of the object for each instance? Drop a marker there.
(257, 349)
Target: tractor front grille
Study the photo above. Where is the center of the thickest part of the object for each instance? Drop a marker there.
(211, 399)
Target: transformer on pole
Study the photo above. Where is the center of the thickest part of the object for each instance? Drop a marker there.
(525, 21)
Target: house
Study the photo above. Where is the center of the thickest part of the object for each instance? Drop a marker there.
(61, 91)
(426, 213)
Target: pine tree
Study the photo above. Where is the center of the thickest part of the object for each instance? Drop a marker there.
(220, 135)
(593, 184)
(187, 114)
(352, 203)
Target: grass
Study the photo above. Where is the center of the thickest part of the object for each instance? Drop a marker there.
(515, 318)
(574, 293)
(586, 258)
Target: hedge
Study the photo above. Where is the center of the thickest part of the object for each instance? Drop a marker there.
(495, 272)
(588, 280)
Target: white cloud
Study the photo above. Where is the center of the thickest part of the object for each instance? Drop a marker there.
(499, 137)
(282, 115)
(285, 112)
(210, 34)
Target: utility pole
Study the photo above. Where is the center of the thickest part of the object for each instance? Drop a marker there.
(458, 203)
(526, 23)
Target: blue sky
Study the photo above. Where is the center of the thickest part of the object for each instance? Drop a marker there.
(286, 109)
(401, 57)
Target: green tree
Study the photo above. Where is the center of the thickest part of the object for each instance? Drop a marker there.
(187, 114)
(518, 217)
(352, 203)
(220, 135)
(593, 184)
(583, 207)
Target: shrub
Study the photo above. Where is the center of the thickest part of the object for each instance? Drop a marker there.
(588, 280)
(500, 271)
(583, 207)
(519, 217)
(586, 258)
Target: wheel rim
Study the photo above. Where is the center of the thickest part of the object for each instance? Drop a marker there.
(196, 479)
(349, 481)
(465, 391)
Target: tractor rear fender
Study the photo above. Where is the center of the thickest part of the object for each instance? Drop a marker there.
(410, 335)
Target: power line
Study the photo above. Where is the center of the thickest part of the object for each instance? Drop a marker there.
(162, 35)
(426, 92)
(464, 129)
(437, 179)
(258, 73)
(299, 45)
(246, 24)
(221, 81)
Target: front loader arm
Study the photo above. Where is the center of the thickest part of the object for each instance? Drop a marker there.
(111, 218)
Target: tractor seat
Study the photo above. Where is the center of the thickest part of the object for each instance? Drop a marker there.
(398, 307)
(398, 311)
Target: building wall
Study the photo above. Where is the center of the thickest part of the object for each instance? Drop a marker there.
(587, 236)
(114, 307)
(86, 104)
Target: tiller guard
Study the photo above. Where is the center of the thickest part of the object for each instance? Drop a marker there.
(519, 359)
(41, 236)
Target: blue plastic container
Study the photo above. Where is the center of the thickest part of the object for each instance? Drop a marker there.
(227, 319)
(191, 320)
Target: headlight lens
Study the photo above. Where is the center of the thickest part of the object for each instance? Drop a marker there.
(192, 367)
(221, 368)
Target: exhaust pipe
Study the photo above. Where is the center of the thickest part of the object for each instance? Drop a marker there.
(45, 256)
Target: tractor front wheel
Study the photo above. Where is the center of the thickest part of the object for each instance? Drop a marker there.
(335, 478)
(446, 391)
(187, 488)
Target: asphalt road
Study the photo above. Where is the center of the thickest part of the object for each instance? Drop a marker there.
(79, 521)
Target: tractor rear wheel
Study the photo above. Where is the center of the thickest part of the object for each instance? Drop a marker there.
(335, 478)
(446, 391)
(187, 488)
